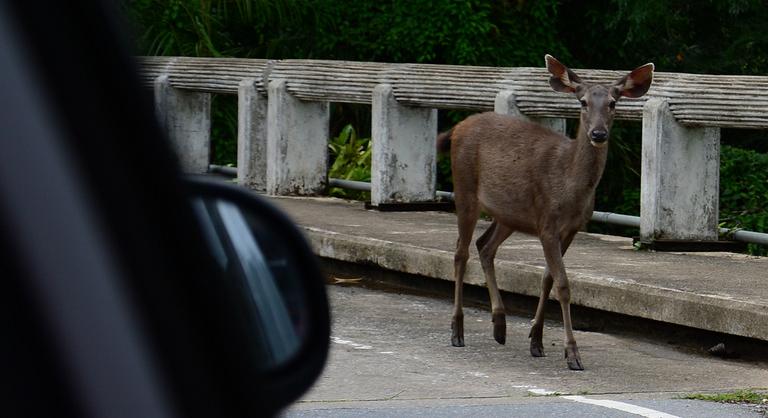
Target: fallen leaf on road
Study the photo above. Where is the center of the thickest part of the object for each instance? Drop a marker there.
(339, 280)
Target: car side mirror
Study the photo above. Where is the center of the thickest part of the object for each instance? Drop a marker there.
(279, 294)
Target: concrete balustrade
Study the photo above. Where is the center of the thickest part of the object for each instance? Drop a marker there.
(251, 136)
(297, 143)
(283, 124)
(186, 117)
(404, 157)
(680, 177)
(506, 104)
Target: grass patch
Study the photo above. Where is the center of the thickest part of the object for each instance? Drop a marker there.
(749, 396)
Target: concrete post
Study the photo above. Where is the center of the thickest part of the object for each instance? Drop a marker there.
(680, 177)
(186, 118)
(297, 143)
(506, 104)
(251, 136)
(404, 155)
(555, 124)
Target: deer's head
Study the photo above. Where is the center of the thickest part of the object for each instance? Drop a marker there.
(598, 101)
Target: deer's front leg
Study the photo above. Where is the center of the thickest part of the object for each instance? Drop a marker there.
(537, 330)
(553, 255)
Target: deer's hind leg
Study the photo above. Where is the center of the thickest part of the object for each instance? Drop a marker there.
(467, 212)
(487, 245)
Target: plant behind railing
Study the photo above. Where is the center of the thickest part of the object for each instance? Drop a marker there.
(744, 192)
(350, 158)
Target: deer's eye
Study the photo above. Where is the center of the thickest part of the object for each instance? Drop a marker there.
(612, 105)
(583, 103)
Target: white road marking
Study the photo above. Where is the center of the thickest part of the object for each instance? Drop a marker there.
(354, 345)
(621, 406)
(427, 231)
(542, 392)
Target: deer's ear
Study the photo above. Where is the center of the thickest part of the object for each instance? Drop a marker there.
(636, 83)
(563, 79)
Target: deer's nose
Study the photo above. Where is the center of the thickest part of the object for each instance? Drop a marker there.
(598, 135)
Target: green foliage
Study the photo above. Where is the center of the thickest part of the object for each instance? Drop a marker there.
(619, 189)
(350, 158)
(471, 32)
(744, 191)
(220, 28)
(707, 36)
(224, 130)
(444, 175)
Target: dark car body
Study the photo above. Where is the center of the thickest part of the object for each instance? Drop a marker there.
(112, 301)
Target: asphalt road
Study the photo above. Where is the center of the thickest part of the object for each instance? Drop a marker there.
(391, 356)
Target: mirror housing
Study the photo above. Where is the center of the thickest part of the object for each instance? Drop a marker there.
(279, 307)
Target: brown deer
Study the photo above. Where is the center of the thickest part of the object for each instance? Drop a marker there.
(536, 181)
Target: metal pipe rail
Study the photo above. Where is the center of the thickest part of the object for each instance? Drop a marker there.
(597, 216)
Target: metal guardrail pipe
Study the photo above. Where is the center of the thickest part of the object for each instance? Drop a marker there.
(597, 216)
(350, 184)
(366, 187)
(747, 236)
(634, 221)
(222, 169)
(616, 219)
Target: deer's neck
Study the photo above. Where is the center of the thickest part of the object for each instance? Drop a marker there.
(588, 161)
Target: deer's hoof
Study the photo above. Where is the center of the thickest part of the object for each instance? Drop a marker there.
(457, 341)
(537, 346)
(457, 332)
(499, 327)
(537, 349)
(572, 358)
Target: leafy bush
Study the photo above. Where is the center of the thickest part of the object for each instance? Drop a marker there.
(222, 28)
(471, 32)
(744, 191)
(350, 158)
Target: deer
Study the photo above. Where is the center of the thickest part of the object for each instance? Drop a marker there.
(536, 181)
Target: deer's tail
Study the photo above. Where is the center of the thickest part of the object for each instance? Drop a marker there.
(444, 141)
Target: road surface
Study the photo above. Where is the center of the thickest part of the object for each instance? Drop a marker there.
(391, 356)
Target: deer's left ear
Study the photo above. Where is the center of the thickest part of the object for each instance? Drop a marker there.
(634, 84)
(563, 79)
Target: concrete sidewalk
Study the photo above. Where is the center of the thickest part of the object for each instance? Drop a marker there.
(713, 291)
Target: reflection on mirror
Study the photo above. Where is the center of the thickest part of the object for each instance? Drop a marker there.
(251, 252)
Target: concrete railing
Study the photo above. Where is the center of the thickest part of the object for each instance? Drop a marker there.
(283, 124)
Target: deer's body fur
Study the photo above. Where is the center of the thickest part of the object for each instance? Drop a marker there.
(521, 183)
(536, 181)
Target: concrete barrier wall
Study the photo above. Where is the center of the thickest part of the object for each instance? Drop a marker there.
(283, 124)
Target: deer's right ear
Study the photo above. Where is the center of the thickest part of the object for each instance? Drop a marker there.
(563, 79)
